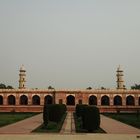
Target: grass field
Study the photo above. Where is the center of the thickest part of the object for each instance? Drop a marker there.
(12, 117)
(51, 127)
(128, 118)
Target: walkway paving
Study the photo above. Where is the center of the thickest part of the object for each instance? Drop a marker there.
(24, 126)
(68, 126)
(112, 126)
(69, 137)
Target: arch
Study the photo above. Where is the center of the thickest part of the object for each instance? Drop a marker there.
(70, 100)
(23, 100)
(11, 100)
(48, 99)
(1, 100)
(130, 100)
(35, 100)
(105, 100)
(117, 100)
(70, 94)
(92, 100)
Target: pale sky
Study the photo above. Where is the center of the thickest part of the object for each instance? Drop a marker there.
(70, 44)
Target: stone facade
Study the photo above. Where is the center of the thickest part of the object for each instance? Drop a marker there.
(32, 100)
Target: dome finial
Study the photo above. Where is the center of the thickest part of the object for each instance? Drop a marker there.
(119, 67)
(22, 67)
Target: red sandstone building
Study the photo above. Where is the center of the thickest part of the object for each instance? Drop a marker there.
(32, 100)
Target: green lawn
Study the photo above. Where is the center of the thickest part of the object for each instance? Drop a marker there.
(78, 126)
(51, 127)
(128, 118)
(12, 117)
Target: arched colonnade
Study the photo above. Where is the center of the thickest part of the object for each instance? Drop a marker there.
(38, 99)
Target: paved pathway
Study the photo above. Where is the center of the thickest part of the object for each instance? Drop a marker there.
(69, 137)
(112, 126)
(68, 126)
(24, 126)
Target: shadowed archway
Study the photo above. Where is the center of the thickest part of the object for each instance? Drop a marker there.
(23, 100)
(36, 100)
(92, 100)
(130, 100)
(1, 100)
(105, 100)
(70, 100)
(48, 99)
(117, 100)
(11, 100)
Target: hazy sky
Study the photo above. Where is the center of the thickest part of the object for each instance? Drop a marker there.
(69, 43)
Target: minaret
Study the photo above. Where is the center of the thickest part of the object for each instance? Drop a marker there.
(22, 76)
(120, 81)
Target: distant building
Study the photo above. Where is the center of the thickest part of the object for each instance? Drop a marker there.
(32, 100)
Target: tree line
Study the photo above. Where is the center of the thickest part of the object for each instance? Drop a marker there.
(3, 86)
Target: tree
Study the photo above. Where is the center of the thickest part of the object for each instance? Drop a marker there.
(2, 86)
(9, 87)
(89, 88)
(50, 87)
(136, 86)
(90, 118)
(103, 88)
